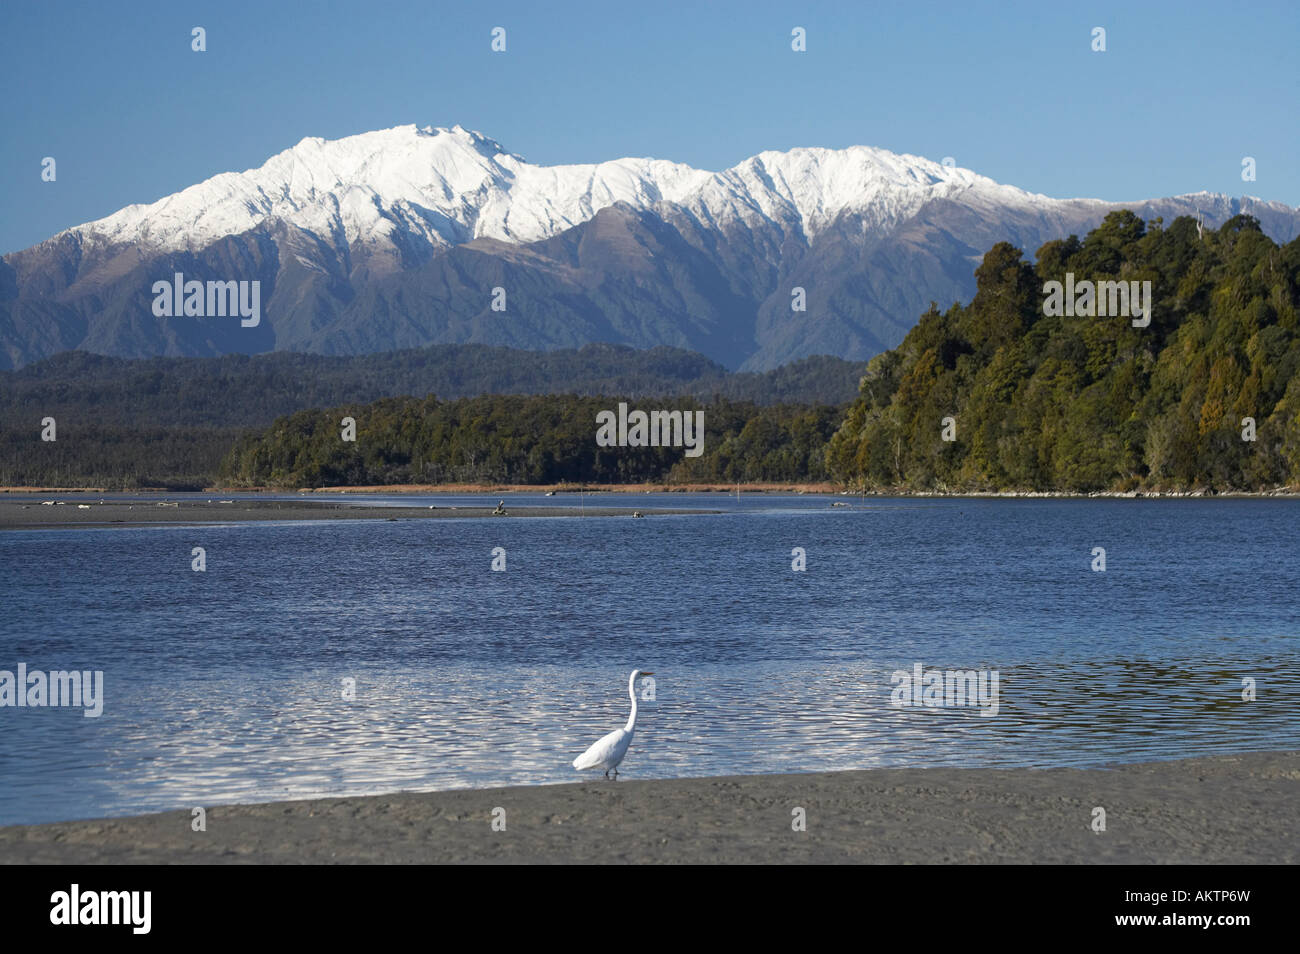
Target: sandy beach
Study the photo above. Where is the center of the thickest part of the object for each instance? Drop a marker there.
(89, 512)
(1224, 809)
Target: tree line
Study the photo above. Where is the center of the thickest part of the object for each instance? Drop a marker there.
(526, 440)
(170, 422)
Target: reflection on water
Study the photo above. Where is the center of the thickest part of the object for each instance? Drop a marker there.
(228, 685)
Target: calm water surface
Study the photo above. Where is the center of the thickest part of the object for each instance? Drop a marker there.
(226, 685)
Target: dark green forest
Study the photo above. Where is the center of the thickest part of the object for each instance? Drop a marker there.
(169, 422)
(527, 440)
(1090, 404)
(250, 391)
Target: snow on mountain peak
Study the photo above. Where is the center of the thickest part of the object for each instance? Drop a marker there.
(813, 186)
(450, 186)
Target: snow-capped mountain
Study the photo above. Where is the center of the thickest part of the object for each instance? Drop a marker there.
(450, 186)
(398, 238)
(445, 186)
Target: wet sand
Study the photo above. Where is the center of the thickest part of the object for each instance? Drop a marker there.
(1223, 809)
(89, 512)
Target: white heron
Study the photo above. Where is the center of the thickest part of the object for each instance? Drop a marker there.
(608, 752)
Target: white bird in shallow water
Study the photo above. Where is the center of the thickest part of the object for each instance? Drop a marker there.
(609, 751)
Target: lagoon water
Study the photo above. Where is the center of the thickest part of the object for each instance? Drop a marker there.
(227, 685)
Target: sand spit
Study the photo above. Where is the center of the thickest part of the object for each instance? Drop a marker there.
(69, 511)
(1213, 810)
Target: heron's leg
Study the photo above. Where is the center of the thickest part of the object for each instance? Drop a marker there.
(606, 773)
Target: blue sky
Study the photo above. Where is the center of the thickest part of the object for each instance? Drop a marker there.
(1183, 92)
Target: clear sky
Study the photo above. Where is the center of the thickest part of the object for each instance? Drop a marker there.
(1184, 91)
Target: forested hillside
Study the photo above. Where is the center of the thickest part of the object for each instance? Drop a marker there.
(1090, 403)
(243, 391)
(169, 421)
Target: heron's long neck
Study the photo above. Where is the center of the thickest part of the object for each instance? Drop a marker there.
(631, 691)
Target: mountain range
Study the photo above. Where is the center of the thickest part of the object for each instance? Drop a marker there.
(401, 238)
